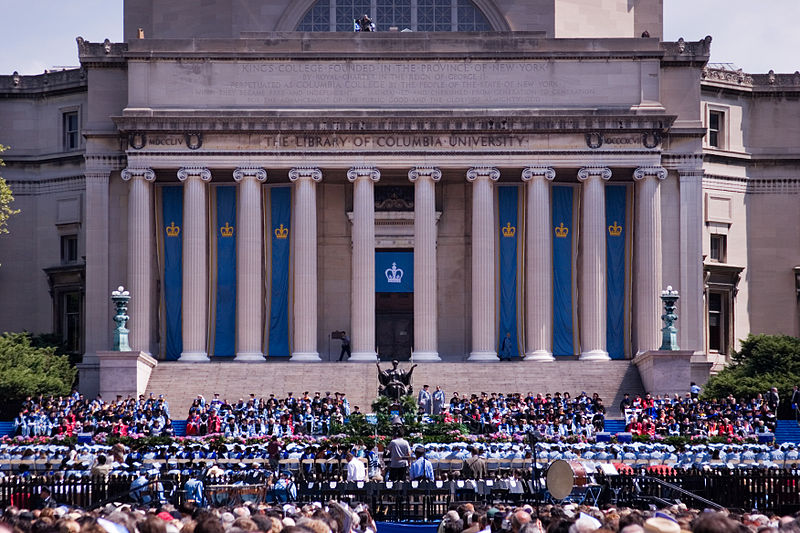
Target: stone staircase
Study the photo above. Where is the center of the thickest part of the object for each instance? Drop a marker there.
(182, 382)
(787, 431)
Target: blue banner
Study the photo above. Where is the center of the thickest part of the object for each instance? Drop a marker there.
(508, 338)
(224, 341)
(172, 220)
(564, 336)
(616, 269)
(394, 271)
(279, 234)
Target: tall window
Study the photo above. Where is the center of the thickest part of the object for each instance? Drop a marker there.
(716, 121)
(719, 244)
(69, 249)
(70, 129)
(717, 323)
(416, 15)
(71, 321)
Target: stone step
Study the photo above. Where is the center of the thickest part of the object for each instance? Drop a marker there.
(182, 382)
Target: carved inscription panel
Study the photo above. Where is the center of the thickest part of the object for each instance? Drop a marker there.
(385, 84)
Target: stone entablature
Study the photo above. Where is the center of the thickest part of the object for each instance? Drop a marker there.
(769, 83)
(50, 82)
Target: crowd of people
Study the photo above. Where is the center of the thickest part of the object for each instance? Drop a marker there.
(312, 415)
(73, 415)
(689, 416)
(43, 516)
(555, 416)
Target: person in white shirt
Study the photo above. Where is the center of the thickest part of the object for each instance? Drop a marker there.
(356, 470)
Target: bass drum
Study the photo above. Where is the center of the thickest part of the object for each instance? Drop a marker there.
(562, 476)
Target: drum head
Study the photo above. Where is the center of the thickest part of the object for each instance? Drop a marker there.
(559, 479)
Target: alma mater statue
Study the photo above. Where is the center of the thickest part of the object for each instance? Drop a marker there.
(395, 382)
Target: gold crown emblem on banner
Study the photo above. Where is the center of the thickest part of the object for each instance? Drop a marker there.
(509, 230)
(615, 230)
(173, 230)
(226, 230)
(281, 232)
(562, 231)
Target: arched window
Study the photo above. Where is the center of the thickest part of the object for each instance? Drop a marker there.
(416, 15)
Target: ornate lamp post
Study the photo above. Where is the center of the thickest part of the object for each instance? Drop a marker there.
(669, 333)
(120, 297)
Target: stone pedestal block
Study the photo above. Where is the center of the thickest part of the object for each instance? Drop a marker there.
(125, 373)
(665, 372)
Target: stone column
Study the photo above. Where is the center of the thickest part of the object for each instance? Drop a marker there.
(249, 271)
(691, 330)
(539, 265)
(98, 325)
(484, 343)
(648, 257)
(363, 265)
(195, 263)
(592, 291)
(305, 263)
(140, 254)
(425, 281)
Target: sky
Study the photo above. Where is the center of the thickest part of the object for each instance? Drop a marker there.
(756, 35)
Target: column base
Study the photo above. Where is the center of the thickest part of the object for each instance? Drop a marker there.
(363, 357)
(249, 357)
(194, 357)
(540, 356)
(305, 357)
(483, 356)
(425, 356)
(595, 355)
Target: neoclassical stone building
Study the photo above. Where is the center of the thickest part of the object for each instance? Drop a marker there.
(503, 180)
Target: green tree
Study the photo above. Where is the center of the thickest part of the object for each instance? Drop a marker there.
(6, 199)
(27, 370)
(763, 362)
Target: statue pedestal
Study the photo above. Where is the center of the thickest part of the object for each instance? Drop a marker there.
(665, 371)
(124, 373)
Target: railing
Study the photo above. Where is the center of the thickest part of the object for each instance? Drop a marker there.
(768, 490)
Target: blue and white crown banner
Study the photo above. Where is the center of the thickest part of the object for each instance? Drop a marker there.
(565, 209)
(510, 266)
(279, 237)
(394, 271)
(171, 237)
(223, 289)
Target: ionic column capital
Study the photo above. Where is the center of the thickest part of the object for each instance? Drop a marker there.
(257, 173)
(144, 173)
(365, 172)
(538, 172)
(476, 173)
(424, 172)
(194, 172)
(305, 173)
(587, 173)
(641, 173)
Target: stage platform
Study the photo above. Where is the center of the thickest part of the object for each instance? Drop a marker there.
(182, 382)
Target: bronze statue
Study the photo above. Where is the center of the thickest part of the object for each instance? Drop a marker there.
(395, 382)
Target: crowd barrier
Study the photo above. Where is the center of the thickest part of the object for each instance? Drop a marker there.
(768, 490)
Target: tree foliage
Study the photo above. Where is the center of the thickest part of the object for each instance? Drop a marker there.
(763, 362)
(27, 370)
(6, 199)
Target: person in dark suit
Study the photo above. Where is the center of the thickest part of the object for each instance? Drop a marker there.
(474, 466)
(345, 346)
(43, 500)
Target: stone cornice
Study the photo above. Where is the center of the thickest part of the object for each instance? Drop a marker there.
(49, 83)
(788, 185)
(422, 121)
(380, 46)
(681, 52)
(756, 84)
(47, 186)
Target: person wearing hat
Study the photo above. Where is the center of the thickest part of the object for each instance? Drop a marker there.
(421, 469)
